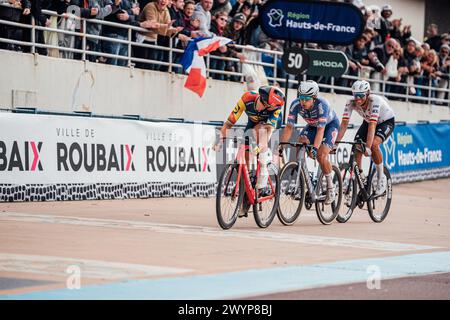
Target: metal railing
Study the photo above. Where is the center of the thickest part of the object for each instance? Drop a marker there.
(434, 94)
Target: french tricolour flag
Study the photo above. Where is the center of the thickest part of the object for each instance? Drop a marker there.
(194, 64)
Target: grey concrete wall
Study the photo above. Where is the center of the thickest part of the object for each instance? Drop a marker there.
(67, 85)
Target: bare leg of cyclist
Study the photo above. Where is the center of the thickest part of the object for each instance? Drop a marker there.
(264, 132)
(325, 165)
(377, 158)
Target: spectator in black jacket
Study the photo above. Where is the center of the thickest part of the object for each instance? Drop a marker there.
(433, 37)
(124, 14)
(15, 13)
(357, 55)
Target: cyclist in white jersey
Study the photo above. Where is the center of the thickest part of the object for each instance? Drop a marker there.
(378, 125)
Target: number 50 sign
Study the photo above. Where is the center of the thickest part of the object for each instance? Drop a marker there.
(295, 60)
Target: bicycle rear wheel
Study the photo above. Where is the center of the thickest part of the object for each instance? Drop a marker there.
(379, 205)
(349, 194)
(229, 197)
(327, 213)
(265, 211)
(290, 202)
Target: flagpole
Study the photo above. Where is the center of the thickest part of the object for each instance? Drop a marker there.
(287, 44)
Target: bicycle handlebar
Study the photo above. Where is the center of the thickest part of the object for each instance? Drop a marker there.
(235, 139)
(308, 147)
(298, 144)
(358, 142)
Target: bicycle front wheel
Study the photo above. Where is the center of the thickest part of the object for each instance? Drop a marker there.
(229, 197)
(266, 210)
(327, 213)
(379, 205)
(291, 195)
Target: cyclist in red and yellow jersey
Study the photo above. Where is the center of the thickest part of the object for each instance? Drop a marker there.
(263, 109)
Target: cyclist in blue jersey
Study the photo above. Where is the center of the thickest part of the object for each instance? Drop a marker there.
(321, 130)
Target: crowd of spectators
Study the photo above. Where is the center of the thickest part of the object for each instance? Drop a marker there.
(385, 51)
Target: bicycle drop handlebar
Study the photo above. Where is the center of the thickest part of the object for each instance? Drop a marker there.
(357, 143)
(297, 144)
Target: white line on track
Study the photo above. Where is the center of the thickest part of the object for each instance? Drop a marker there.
(94, 269)
(215, 232)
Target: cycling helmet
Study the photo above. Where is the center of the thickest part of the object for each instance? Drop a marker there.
(271, 96)
(361, 86)
(308, 88)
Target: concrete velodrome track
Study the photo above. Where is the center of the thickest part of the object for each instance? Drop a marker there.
(174, 249)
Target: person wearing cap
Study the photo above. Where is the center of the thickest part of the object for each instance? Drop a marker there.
(445, 39)
(443, 53)
(235, 32)
(443, 70)
(386, 26)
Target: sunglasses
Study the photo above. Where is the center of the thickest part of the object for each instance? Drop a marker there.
(359, 95)
(223, 19)
(305, 98)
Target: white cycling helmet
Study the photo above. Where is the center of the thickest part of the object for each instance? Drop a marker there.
(361, 86)
(308, 88)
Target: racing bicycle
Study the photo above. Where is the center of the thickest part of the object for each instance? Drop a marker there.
(298, 185)
(358, 191)
(237, 184)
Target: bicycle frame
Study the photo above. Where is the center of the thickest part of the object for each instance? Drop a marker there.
(355, 169)
(251, 193)
(301, 160)
(311, 189)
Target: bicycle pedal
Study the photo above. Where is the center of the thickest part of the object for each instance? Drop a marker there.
(243, 215)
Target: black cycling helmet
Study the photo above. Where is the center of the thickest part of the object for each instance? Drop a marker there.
(271, 96)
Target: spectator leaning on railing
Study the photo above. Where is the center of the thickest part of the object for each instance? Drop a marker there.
(157, 14)
(357, 55)
(177, 16)
(235, 31)
(124, 14)
(443, 70)
(218, 24)
(102, 8)
(202, 12)
(13, 10)
(398, 73)
(430, 65)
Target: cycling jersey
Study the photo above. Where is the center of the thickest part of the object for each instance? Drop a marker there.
(377, 109)
(318, 116)
(247, 104)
